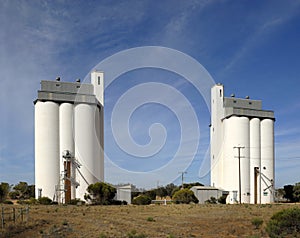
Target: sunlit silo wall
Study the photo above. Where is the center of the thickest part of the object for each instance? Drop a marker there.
(242, 138)
(87, 144)
(267, 160)
(66, 140)
(47, 164)
(69, 138)
(236, 134)
(255, 160)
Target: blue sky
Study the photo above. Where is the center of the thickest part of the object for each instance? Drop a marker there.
(252, 47)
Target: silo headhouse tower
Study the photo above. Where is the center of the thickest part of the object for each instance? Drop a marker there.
(69, 138)
(242, 148)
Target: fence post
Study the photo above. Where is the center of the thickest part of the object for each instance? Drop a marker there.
(27, 213)
(21, 210)
(2, 218)
(14, 215)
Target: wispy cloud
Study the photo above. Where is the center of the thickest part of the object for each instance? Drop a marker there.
(252, 41)
(293, 130)
(265, 28)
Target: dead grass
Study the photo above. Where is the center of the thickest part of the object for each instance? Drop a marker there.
(145, 221)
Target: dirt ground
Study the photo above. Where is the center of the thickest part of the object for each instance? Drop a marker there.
(143, 221)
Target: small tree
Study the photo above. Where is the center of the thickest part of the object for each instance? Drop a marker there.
(4, 190)
(176, 189)
(296, 192)
(161, 192)
(141, 200)
(23, 191)
(151, 193)
(285, 223)
(101, 193)
(289, 192)
(185, 196)
(169, 189)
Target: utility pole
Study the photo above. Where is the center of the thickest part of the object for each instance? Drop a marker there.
(240, 182)
(182, 173)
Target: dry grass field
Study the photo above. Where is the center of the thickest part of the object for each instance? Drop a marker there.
(144, 221)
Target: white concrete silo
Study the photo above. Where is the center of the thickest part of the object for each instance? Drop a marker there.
(230, 165)
(236, 131)
(66, 141)
(244, 134)
(46, 148)
(267, 161)
(86, 143)
(255, 160)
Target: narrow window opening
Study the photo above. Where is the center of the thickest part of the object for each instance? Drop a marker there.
(98, 80)
(220, 93)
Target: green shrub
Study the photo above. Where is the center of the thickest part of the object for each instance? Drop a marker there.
(8, 202)
(212, 200)
(45, 201)
(285, 223)
(222, 199)
(257, 222)
(133, 234)
(150, 219)
(100, 193)
(118, 202)
(31, 201)
(185, 196)
(141, 200)
(76, 201)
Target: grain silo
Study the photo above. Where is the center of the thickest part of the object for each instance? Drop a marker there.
(242, 148)
(69, 138)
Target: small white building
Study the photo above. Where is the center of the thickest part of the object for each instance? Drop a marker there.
(124, 193)
(204, 193)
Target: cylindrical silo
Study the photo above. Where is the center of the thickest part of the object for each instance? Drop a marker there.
(267, 161)
(46, 148)
(236, 134)
(254, 160)
(85, 151)
(244, 142)
(66, 140)
(230, 164)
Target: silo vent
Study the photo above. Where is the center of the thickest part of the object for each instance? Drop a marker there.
(77, 80)
(58, 79)
(232, 95)
(247, 97)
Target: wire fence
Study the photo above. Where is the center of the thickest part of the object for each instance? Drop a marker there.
(13, 215)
